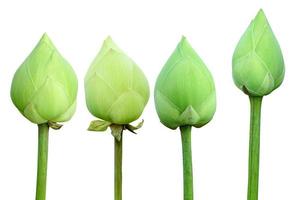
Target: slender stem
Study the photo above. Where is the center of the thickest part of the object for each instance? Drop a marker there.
(118, 168)
(254, 144)
(42, 162)
(187, 162)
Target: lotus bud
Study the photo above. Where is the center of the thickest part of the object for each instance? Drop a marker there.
(185, 91)
(44, 90)
(116, 92)
(44, 87)
(185, 97)
(116, 89)
(258, 66)
(258, 69)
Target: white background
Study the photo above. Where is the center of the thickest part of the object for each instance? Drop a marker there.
(81, 162)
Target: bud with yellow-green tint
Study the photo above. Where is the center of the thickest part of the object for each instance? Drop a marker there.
(44, 90)
(116, 92)
(185, 90)
(44, 87)
(258, 66)
(116, 89)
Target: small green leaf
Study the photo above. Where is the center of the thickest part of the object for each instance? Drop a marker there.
(116, 131)
(99, 125)
(132, 128)
(54, 125)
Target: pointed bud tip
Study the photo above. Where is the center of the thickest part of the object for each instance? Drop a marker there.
(184, 44)
(46, 39)
(108, 39)
(110, 44)
(261, 11)
(260, 14)
(183, 40)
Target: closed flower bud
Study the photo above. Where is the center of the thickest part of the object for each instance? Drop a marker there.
(44, 87)
(116, 89)
(185, 91)
(258, 66)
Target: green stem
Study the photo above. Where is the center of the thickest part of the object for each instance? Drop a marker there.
(42, 162)
(187, 162)
(118, 169)
(254, 144)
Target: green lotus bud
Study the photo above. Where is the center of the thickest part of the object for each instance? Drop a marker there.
(115, 87)
(44, 87)
(185, 91)
(116, 91)
(258, 66)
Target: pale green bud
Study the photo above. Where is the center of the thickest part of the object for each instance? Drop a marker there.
(116, 89)
(185, 90)
(44, 87)
(258, 66)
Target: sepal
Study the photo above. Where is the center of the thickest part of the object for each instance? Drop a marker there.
(132, 128)
(54, 125)
(99, 125)
(116, 131)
